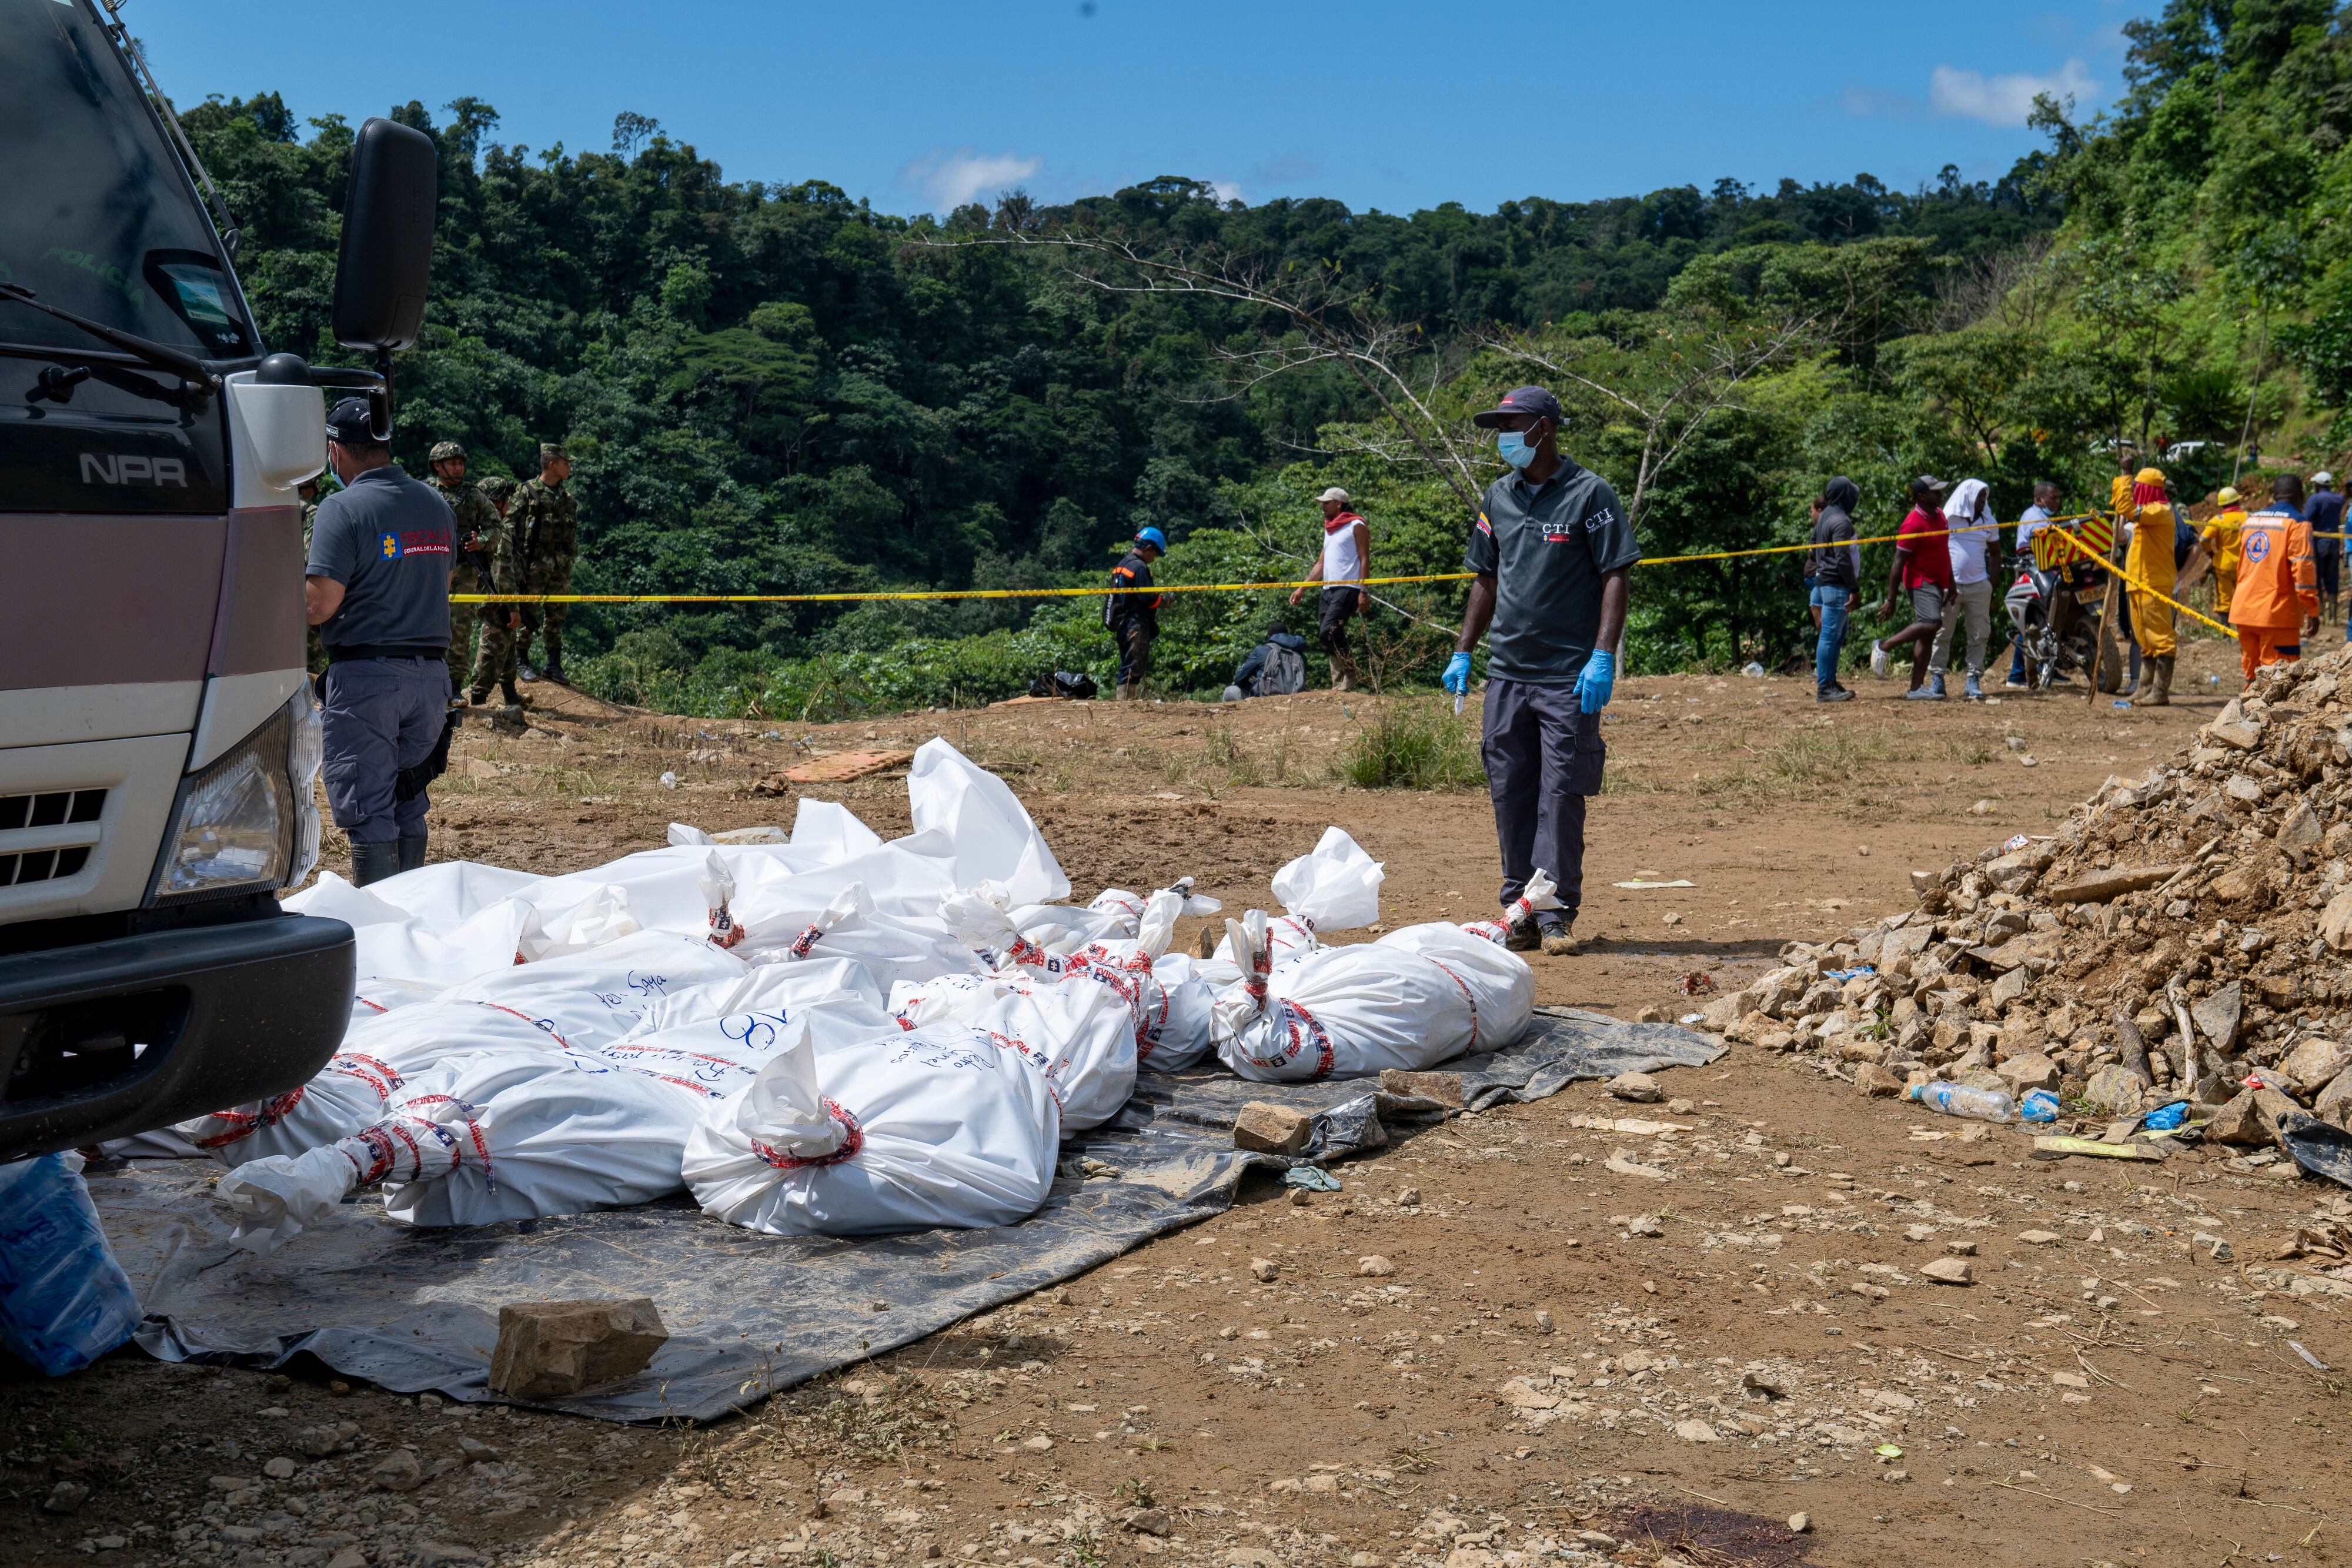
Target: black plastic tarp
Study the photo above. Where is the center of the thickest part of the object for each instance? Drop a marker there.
(413, 1309)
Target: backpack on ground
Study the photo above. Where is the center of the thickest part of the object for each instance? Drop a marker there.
(1285, 671)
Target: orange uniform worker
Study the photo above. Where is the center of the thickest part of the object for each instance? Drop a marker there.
(2277, 601)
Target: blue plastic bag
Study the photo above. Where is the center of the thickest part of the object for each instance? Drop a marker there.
(2039, 1105)
(2165, 1118)
(63, 1300)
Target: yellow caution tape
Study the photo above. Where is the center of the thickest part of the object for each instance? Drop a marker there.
(870, 597)
(2139, 587)
(933, 593)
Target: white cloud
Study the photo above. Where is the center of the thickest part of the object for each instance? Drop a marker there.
(953, 179)
(1226, 189)
(2002, 100)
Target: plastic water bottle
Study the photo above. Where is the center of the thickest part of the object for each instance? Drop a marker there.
(64, 1301)
(1959, 1100)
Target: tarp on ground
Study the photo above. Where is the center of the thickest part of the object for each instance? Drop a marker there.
(412, 1310)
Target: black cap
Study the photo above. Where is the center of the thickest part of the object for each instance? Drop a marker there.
(1928, 484)
(1537, 401)
(347, 422)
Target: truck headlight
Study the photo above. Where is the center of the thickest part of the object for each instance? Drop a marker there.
(248, 822)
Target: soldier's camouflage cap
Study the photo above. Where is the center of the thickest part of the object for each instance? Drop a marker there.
(446, 452)
(498, 487)
(549, 451)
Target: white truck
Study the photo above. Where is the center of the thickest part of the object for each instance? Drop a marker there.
(158, 737)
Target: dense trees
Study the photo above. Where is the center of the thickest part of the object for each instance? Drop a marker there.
(774, 387)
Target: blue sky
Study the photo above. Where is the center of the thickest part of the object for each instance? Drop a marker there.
(1381, 103)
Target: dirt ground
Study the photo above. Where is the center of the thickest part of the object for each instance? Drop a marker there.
(1594, 1337)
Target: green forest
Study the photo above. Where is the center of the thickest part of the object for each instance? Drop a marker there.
(774, 389)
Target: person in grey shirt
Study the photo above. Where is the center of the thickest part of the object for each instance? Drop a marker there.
(1550, 552)
(377, 588)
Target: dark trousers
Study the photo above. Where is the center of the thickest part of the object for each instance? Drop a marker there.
(1134, 650)
(379, 715)
(547, 622)
(1543, 756)
(1332, 609)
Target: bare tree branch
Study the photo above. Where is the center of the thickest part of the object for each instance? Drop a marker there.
(1339, 320)
(1707, 364)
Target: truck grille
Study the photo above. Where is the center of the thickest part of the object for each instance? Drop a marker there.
(50, 809)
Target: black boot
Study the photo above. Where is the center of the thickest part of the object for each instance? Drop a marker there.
(507, 690)
(411, 853)
(374, 863)
(555, 671)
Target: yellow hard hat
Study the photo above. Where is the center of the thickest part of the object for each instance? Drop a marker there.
(2229, 496)
(2149, 476)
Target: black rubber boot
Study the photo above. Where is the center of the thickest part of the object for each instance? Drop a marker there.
(374, 863)
(507, 690)
(411, 853)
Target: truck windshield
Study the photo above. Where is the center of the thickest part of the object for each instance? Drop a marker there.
(97, 215)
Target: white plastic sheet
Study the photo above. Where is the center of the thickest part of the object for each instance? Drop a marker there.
(1411, 1001)
(586, 1000)
(1182, 1036)
(603, 993)
(1335, 887)
(1114, 915)
(942, 1126)
(989, 836)
(892, 949)
(523, 1132)
(1079, 1033)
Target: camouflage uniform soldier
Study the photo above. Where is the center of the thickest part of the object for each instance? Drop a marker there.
(477, 529)
(496, 661)
(544, 524)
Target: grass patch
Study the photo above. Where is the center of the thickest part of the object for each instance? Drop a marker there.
(1414, 744)
(1225, 761)
(1975, 753)
(1808, 757)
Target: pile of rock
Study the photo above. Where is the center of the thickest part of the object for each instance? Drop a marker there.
(2180, 937)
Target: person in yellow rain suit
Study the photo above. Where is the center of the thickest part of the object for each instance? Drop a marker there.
(2278, 603)
(2220, 539)
(2119, 508)
(2150, 568)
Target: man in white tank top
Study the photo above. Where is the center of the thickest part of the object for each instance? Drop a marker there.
(1346, 558)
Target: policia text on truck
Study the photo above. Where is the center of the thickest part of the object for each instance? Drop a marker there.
(157, 764)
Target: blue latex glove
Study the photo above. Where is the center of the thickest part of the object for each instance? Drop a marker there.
(1456, 678)
(1599, 678)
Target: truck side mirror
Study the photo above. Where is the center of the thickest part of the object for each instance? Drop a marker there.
(387, 258)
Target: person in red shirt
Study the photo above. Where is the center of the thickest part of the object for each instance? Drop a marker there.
(1923, 573)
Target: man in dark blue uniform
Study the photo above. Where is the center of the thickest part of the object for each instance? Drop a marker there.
(1551, 550)
(378, 589)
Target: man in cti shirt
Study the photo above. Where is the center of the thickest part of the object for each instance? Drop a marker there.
(1551, 550)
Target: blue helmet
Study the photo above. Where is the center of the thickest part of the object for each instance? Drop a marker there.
(1153, 538)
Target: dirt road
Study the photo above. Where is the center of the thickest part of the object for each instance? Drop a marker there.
(1598, 1331)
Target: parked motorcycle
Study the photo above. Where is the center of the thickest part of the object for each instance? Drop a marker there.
(2054, 615)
